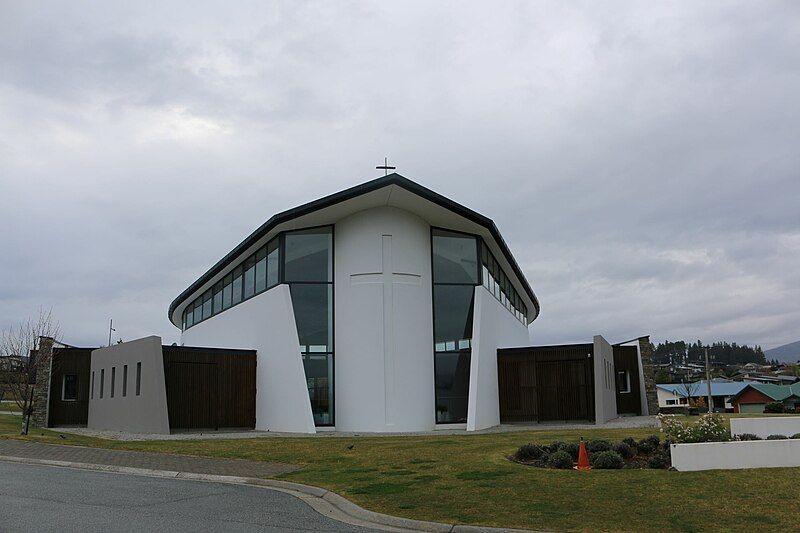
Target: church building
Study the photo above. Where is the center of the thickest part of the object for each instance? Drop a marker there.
(379, 308)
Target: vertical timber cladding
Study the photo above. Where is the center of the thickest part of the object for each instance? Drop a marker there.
(71, 409)
(626, 372)
(210, 388)
(542, 383)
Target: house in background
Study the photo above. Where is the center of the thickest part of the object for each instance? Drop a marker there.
(675, 395)
(754, 397)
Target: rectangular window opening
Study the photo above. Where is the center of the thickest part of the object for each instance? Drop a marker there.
(124, 380)
(113, 379)
(138, 378)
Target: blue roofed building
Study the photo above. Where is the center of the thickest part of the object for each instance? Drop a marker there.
(671, 395)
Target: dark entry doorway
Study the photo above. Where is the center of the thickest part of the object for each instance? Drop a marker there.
(192, 398)
(544, 383)
(626, 370)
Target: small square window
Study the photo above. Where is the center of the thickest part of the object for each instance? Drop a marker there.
(623, 382)
(69, 391)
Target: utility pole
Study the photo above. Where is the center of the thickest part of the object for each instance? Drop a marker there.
(708, 382)
(110, 329)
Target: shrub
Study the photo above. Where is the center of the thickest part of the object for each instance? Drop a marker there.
(653, 440)
(630, 441)
(598, 445)
(659, 460)
(796, 436)
(645, 447)
(557, 445)
(559, 459)
(572, 448)
(708, 428)
(773, 407)
(777, 437)
(625, 451)
(607, 460)
(529, 452)
(747, 436)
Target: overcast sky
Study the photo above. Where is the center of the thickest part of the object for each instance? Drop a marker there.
(642, 160)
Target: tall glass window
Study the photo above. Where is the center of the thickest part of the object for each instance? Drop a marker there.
(273, 262)
(455, 274)
(308, 268)
(237, 285)
(261, 270)
(249, 277)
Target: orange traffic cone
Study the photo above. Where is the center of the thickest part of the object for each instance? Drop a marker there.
(583, 457)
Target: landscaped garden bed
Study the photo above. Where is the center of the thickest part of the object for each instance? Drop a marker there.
(649, 452)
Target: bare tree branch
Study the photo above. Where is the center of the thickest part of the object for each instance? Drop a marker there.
(20, 359)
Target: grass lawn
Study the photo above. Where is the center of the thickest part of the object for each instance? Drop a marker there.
(467, 479)
(9, 406)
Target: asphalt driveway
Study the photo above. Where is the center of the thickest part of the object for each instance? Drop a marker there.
(46, 498)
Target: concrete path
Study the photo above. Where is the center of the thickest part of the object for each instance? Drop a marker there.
(146, 460)
(618, 423)
(43, 498)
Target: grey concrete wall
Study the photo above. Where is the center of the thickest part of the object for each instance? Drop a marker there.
(605, 394)
(143, 413)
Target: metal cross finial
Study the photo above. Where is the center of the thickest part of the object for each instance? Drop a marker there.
(386, 168)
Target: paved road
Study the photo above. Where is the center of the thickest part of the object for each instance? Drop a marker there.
(45, 498)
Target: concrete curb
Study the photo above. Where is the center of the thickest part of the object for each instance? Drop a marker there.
(323, 501)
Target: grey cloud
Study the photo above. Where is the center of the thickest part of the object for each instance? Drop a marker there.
(641, 160)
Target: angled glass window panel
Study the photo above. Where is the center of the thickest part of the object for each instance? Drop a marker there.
(227, 291)
(261, 270)
(236, 287)
(217, 298)
(249, 277)
(452, 386)
(273, 262)
(455, 258)
(452, 312)
(312, 303)
(189, 316)
(319, 372)
(309, 255)
(207, 305)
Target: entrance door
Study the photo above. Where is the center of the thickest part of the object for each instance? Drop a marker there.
(192, 395)
(538, 384)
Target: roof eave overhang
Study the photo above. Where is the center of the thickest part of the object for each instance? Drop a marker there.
(282, 222)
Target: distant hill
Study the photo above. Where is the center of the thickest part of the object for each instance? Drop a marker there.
(788, 353)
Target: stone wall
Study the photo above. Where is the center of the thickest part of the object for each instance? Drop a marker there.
(41, 390)
(646, 350)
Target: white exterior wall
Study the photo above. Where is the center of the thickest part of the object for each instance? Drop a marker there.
(384, 378)
(605, 393)
(493, 327)
(146, 413)
(735, 455)
(266, 324)
(766, 426)
(664, 395)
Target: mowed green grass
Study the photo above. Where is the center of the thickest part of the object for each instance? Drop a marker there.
(467, 479)
(9, 406)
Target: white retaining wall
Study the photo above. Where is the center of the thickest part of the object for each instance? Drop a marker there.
(735, 455)
(764, 427)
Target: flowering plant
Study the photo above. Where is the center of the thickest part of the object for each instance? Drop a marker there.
(708, 428)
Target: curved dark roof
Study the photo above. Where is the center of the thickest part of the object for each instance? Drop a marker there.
(347, 194)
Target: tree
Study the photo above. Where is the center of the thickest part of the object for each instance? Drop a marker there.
(662, 376)
(19, 347)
